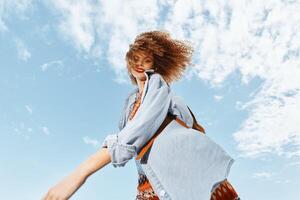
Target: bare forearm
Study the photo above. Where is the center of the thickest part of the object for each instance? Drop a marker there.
(94, 163)
(71, 183)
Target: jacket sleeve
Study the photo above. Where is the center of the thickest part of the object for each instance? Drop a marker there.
(123, 114)
(180, 110)
(154, 108)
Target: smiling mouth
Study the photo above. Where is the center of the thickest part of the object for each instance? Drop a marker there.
(139, 70)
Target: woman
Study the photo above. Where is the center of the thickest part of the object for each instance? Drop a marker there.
(175, 159)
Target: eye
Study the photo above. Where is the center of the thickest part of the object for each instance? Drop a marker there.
(148, 61)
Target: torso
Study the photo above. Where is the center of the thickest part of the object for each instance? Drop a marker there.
(136, 106)
(144, 188)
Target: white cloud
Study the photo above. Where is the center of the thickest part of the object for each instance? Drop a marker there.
(58, 64)
(218, 97)
(15, 9)
(270, 176)
(296, 163)
(23, 53)
(264, 175)
(55, 64)
(28, 108)
(283, 181)
(255, 38)
(106, 26)
(77, 22)
(22, 130)
(45, 130)
(3, 26)
(90, 141)
(9, 8)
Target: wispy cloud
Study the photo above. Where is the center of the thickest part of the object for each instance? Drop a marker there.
(3, 26)
(264, 175)
(106, 26)
(23, 53)
(77, 22)
(283, 181)
(22, 130)
(296, 163)
(255, 39)
(270, 176)
(57, 65)
(28, 108)
(45, 130)
(93, 142)
(218, 97)
(16, 9)
(9, 8)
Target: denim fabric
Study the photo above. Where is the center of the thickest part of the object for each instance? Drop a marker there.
(182, 162)
(151, 113)
(185, 164)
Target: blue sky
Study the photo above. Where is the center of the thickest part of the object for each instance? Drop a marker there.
(63, 83)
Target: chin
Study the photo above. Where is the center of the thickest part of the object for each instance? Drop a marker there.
(141, 77)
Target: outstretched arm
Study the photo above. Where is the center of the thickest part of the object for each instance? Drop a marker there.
(71, 183)
(123, 146)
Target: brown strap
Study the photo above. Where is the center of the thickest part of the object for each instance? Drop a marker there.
(195, 123)
(167, 120)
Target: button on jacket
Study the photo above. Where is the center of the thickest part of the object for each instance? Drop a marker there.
(182, 163)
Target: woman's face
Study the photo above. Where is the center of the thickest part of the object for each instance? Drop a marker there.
(142, 61)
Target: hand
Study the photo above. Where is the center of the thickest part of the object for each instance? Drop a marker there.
(65, 188)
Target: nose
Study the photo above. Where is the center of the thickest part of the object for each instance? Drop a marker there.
(139, 63)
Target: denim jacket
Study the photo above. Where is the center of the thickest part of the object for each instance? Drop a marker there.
(182, 163)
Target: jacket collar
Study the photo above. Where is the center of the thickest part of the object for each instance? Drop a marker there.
(147, 72)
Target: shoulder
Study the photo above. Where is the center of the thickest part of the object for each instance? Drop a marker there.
(157, 79)
(153, 76)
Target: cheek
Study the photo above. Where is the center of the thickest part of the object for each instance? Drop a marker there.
(148, 65)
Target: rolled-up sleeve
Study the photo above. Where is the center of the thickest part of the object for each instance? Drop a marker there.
(154, 108)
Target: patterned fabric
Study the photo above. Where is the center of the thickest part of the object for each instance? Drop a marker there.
(145, 190)
(224, 191)
(135, 105)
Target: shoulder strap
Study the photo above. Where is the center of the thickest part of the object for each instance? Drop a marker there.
(195, 123)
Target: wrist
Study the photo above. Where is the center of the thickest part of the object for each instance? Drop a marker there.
(93, 163)
(82, 172)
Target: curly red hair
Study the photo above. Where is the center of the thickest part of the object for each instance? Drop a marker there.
(170, 56)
